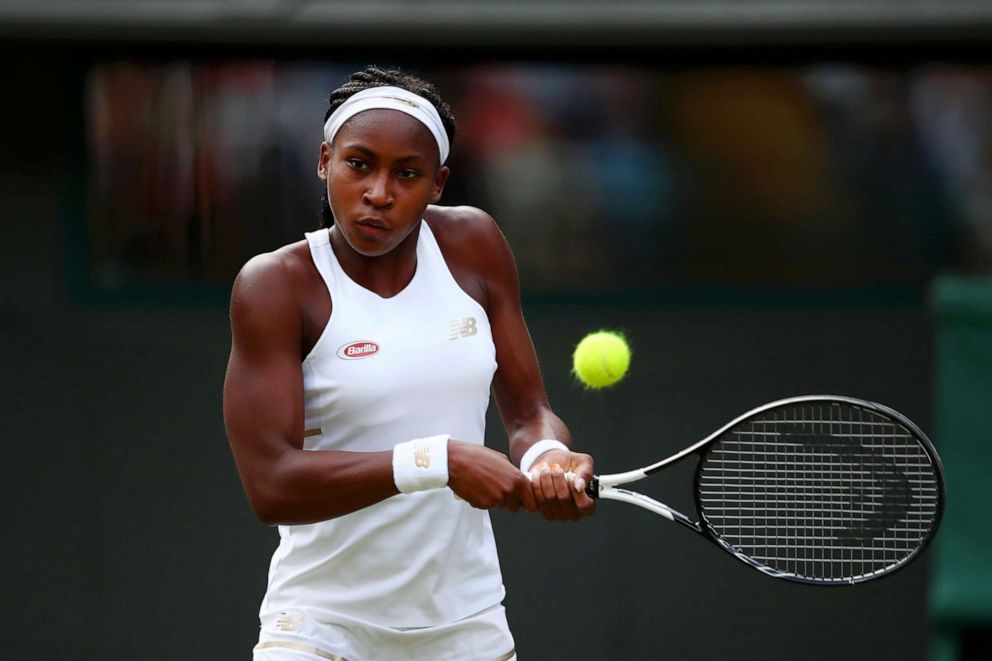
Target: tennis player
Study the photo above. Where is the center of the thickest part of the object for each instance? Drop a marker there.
(356, 396)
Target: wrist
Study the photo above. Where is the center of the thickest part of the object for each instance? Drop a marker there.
(421, 464)
(537, 449)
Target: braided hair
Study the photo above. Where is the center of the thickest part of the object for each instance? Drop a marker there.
(373, 76)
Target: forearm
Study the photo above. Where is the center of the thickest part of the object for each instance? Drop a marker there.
(541, 424)
(304, 486)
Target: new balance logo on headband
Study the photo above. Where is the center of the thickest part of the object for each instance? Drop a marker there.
(409, 102)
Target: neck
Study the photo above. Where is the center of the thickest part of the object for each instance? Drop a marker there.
(387, 274)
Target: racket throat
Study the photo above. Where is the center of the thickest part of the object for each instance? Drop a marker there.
(650, 504)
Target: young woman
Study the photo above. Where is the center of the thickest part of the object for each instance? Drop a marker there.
(355, 400)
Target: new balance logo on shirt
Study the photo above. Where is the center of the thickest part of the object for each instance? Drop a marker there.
(463, 328)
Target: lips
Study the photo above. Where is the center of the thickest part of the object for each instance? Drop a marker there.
(372, 225)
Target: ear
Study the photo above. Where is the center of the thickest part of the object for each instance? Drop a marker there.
(439, 180)
(323, 161)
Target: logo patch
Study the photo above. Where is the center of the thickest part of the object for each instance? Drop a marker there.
(466, 327)
(289, 621)
(422, 456)
(408, 102)
(356, 350)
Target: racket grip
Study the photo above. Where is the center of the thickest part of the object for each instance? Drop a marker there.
(592, 488)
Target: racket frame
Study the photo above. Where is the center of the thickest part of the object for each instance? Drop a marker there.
(607, 487)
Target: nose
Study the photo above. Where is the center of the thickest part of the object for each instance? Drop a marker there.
(378, 194)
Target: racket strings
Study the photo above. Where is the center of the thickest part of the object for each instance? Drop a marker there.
(820, 491)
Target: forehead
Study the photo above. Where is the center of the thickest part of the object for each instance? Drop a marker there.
(385, 130)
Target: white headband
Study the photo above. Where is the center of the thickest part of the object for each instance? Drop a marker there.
(390, 98)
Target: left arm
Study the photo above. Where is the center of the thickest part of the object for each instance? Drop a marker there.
(519, 389)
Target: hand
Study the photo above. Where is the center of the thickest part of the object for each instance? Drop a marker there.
(558, 497)
(486, 479)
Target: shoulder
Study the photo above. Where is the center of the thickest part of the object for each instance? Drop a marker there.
(470, 235)
(476, 252)
(273, 281)
(462, 223)
(280, 268)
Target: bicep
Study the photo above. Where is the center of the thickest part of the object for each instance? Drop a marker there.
(263, 388)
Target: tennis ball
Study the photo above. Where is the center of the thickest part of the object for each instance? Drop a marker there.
(601, 359)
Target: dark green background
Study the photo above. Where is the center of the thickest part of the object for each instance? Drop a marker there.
(128, 536)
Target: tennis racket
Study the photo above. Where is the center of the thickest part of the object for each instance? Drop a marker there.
(821, 490)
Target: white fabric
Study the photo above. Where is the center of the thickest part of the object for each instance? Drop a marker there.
(536, 450)
(390, 98)
(421, 464)
(293, 635)
(386, 370)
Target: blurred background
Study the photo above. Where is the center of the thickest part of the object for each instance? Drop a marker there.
(770, 198)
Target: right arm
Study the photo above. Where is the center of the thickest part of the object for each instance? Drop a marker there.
(263, 410)
(264, 417)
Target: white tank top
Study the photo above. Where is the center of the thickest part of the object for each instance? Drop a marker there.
(387, 370)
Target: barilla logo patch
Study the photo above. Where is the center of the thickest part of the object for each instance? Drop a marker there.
(357, 350)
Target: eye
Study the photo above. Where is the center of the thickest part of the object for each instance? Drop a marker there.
(357, 163)
(409, 174)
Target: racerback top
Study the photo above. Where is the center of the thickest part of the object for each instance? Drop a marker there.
(387, 370)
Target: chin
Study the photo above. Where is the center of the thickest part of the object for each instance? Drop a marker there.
(365, 245)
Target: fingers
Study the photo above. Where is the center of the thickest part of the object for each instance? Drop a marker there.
(512, 502)
(536, 489)
(552, 508)
(560, 494)
(487, 480)
(563, 492)
(521, 494)
(584, 503)
(528, 496)
(553, 491)
(544, 493)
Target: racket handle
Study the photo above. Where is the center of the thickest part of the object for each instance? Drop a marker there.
(592, 488)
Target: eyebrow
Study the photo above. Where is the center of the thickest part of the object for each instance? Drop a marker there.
(371, 154)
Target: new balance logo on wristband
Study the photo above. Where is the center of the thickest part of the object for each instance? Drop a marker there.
(421, 464)
(422, 456)
(356, 350)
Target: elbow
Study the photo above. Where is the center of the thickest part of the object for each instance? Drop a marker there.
(266, 516)
(267, 502)
(270, 489)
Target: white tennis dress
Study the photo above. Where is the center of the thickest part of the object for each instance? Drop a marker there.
(387, 370)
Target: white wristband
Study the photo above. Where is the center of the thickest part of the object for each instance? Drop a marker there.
(421, 464)
(536, 450)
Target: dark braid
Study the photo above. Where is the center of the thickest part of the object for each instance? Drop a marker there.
(373, 76)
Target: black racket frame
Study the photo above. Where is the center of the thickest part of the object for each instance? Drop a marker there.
(704, 528)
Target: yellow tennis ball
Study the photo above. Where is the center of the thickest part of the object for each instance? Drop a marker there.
(601, 359)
